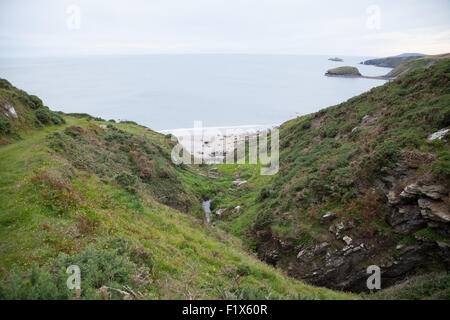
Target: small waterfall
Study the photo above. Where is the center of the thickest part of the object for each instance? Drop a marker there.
(206, 207)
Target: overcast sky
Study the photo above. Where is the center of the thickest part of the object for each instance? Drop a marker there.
(339, 27)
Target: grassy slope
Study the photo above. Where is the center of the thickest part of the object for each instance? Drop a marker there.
(327, 164)
(401, 65)
(390, 62)
(418, 62)
(59, 208)
(431, 286)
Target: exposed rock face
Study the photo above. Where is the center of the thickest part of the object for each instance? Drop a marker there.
(413, 202)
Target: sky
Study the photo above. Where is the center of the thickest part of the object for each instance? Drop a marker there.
(342, 28)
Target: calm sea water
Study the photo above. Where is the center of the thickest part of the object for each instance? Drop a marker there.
(172, 91)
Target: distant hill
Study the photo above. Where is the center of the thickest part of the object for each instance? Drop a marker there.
(389, 62)
(410, 55)
(406, 62)
(416, 62)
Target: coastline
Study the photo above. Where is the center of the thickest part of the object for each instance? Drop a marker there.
(213, 143)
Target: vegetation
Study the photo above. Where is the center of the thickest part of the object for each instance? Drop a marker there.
(343, 71)
(19, 111)
(331, 160)
(105, 196)
(418, 62)
(390, 62)
(424, 287)
(402, 64)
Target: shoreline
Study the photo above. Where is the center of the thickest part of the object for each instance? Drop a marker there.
(213, 143)
(360, 76)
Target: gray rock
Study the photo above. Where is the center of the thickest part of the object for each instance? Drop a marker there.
(11, 110)
(238, 183)
(434, 210)
(220, 211)
(347, 240)
(438, 134)
(329, 216)
(414, 190)
(301, 254)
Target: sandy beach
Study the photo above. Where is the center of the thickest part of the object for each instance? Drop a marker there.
(213, 143)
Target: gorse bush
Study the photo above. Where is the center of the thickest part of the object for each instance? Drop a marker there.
(36, 102)
(111, 266)
(5, 126)
(441, 167)
(127, 181)
(46, 117)
(33, 284)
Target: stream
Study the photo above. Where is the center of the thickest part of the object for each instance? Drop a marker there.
(206, 207)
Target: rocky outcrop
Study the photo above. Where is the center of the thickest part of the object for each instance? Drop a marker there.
(414, 203)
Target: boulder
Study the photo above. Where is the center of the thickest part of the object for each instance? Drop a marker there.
(238, 183)
(329, 216)
(220, 211)
(347, 240)
(438, 134)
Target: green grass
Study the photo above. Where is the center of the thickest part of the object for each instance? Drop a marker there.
(425, 287)
(49, 206)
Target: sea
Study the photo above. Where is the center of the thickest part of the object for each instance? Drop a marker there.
(172, 91)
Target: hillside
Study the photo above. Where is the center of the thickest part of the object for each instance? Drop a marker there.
(403, 63)
(389, 62)
(420, 62)
(105, 196)
(360, 183)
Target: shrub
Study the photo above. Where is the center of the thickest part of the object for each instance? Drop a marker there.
(441, 167)
(33, 284)
(127, 181)
(36, 102)
(4, 84)
(47, 117)
(5, 126)
(43, 115)
(99, 267)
